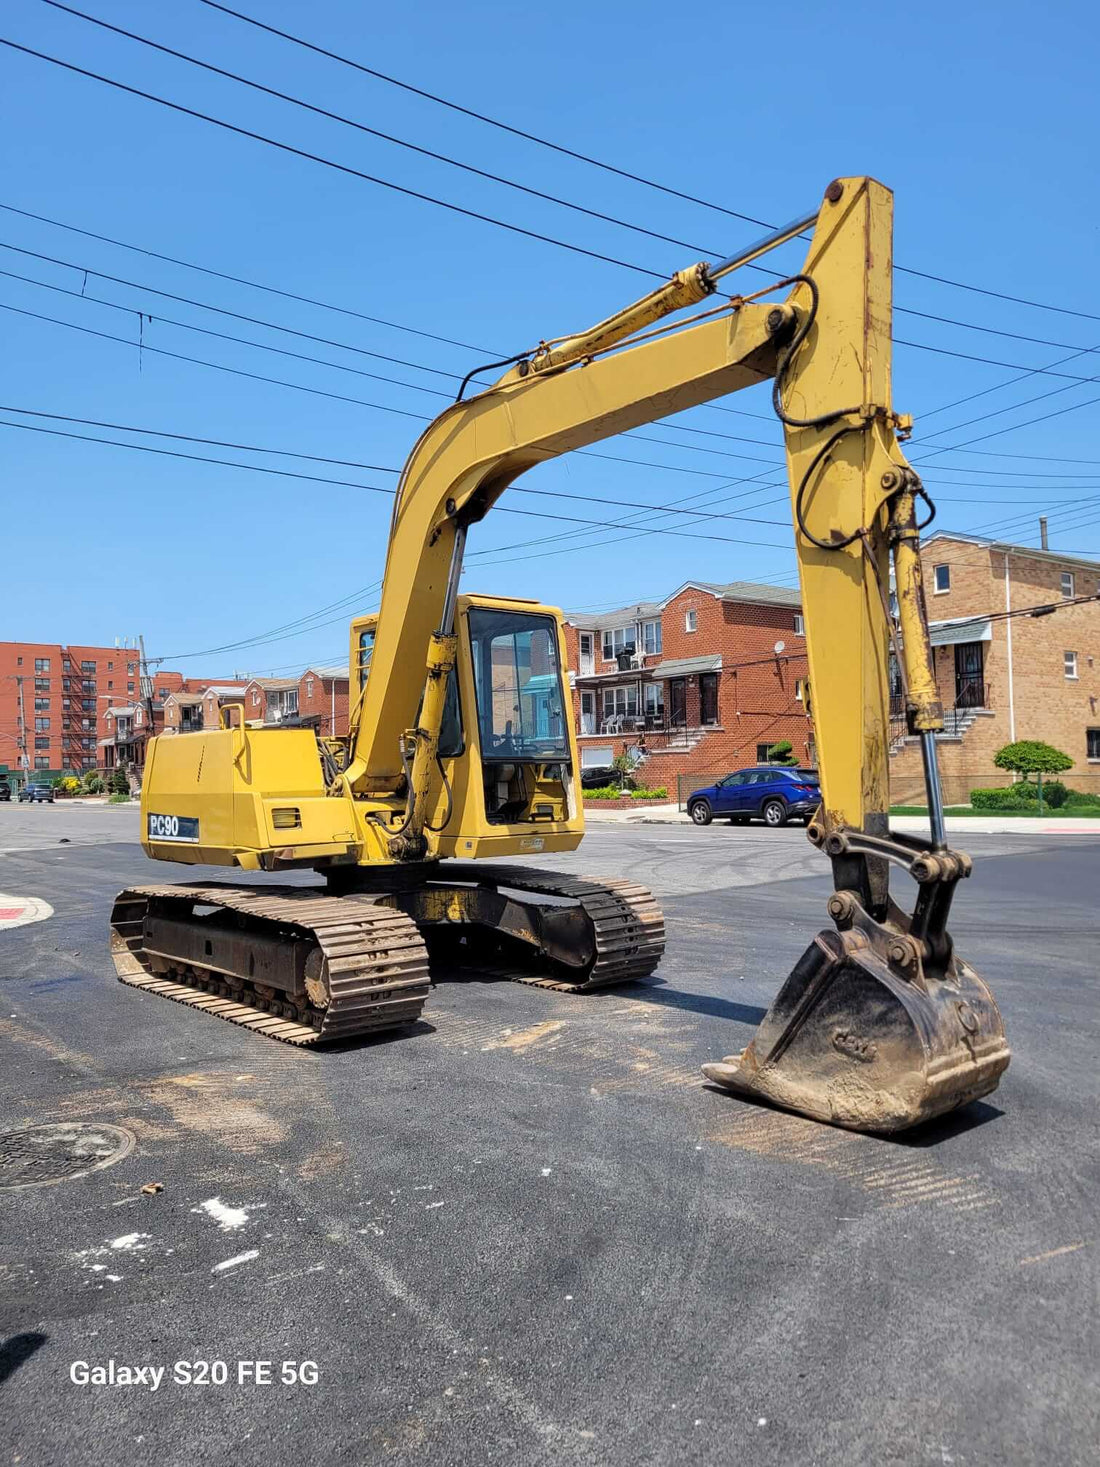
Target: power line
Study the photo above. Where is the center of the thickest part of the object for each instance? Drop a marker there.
(226, 336)
(376, 489)
(121, 244)
(344, 168)
(373, 131)
(498, 178)
(483, 351)
(400, 142)
(597, 163)
(141, 346)
(90, 273)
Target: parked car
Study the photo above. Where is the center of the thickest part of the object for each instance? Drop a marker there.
(768, 792)
(36, 794)
(5, 790)
(597, 776)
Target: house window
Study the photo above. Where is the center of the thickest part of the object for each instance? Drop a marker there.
(110, 667)
(65, 684)
(87, 667)
(1068, 584)
(762, 753)
(654, 699)
(41, 743)
(42, 761)
(89, 687)
(622, 700)
(42, 704)
(255, 697)
(41, 685)
(88, 704)
(309, 687)
(614, 642)
(689, 621)
(799, 624)
(41, 664)
(19, 662)
(798, 689)
(1070, 660)
(1092, 743)
(651, 638)
(129, 687)
(41, 725)
(65, 704)
(941, 578)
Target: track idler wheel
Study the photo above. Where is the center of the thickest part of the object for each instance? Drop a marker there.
(860, 1035)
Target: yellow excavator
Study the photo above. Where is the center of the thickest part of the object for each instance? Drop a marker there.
(461, 742)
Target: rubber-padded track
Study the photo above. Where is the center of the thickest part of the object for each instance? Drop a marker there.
(375, 961)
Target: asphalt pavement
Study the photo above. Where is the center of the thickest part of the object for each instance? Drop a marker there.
(527, 1232)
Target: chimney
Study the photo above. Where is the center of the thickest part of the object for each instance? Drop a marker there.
(1043, 532)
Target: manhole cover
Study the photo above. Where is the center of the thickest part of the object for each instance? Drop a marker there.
(38, 1155)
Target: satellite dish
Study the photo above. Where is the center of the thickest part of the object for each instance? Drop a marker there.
(779, 646)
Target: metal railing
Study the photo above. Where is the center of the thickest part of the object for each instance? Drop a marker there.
(972, 695)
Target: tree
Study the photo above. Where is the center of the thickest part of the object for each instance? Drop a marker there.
(781, 753)
(1032, 756)
(117, 782)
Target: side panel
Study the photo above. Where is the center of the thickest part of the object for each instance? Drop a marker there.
(214, 798)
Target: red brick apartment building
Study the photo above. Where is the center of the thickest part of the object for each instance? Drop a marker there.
(702, 682)
(66, 691)
(1006, 678)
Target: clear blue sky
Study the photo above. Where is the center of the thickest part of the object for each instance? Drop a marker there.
(981, 117)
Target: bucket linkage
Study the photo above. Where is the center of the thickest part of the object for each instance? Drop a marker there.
(880, 1024)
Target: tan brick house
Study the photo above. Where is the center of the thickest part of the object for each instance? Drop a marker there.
(700, 683)
(1007, 678)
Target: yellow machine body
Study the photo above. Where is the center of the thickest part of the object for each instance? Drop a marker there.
(256, 798)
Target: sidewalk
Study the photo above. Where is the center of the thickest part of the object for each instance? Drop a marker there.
(911, 824)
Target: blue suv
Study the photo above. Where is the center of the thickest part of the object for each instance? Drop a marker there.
(769, 793)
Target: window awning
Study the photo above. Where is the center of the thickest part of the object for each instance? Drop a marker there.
(685, 666)
(971, 629)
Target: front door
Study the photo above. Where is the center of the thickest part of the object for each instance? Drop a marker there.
(677, 702)
(588, 713)
(587, 658)
(708, 698)
(970, 674)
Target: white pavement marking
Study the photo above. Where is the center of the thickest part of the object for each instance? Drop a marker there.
(18, 911)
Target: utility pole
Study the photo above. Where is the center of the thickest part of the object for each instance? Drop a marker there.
(25, 760)
(145, 685)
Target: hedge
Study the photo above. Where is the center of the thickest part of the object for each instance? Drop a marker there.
(1025, 796)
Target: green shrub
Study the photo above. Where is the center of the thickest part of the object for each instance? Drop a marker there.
(1079, 797)
(92, 783)
(117, 782)
(1009, 798)
(1055, 793)
(661, 793)
(118, 798)
(604, 792)
(781, 753)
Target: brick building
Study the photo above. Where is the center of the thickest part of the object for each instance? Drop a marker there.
(1003, 679)
(318, 699)
(695, 682)
(66, 691)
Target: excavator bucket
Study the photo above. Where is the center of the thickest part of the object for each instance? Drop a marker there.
(860, 1039)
